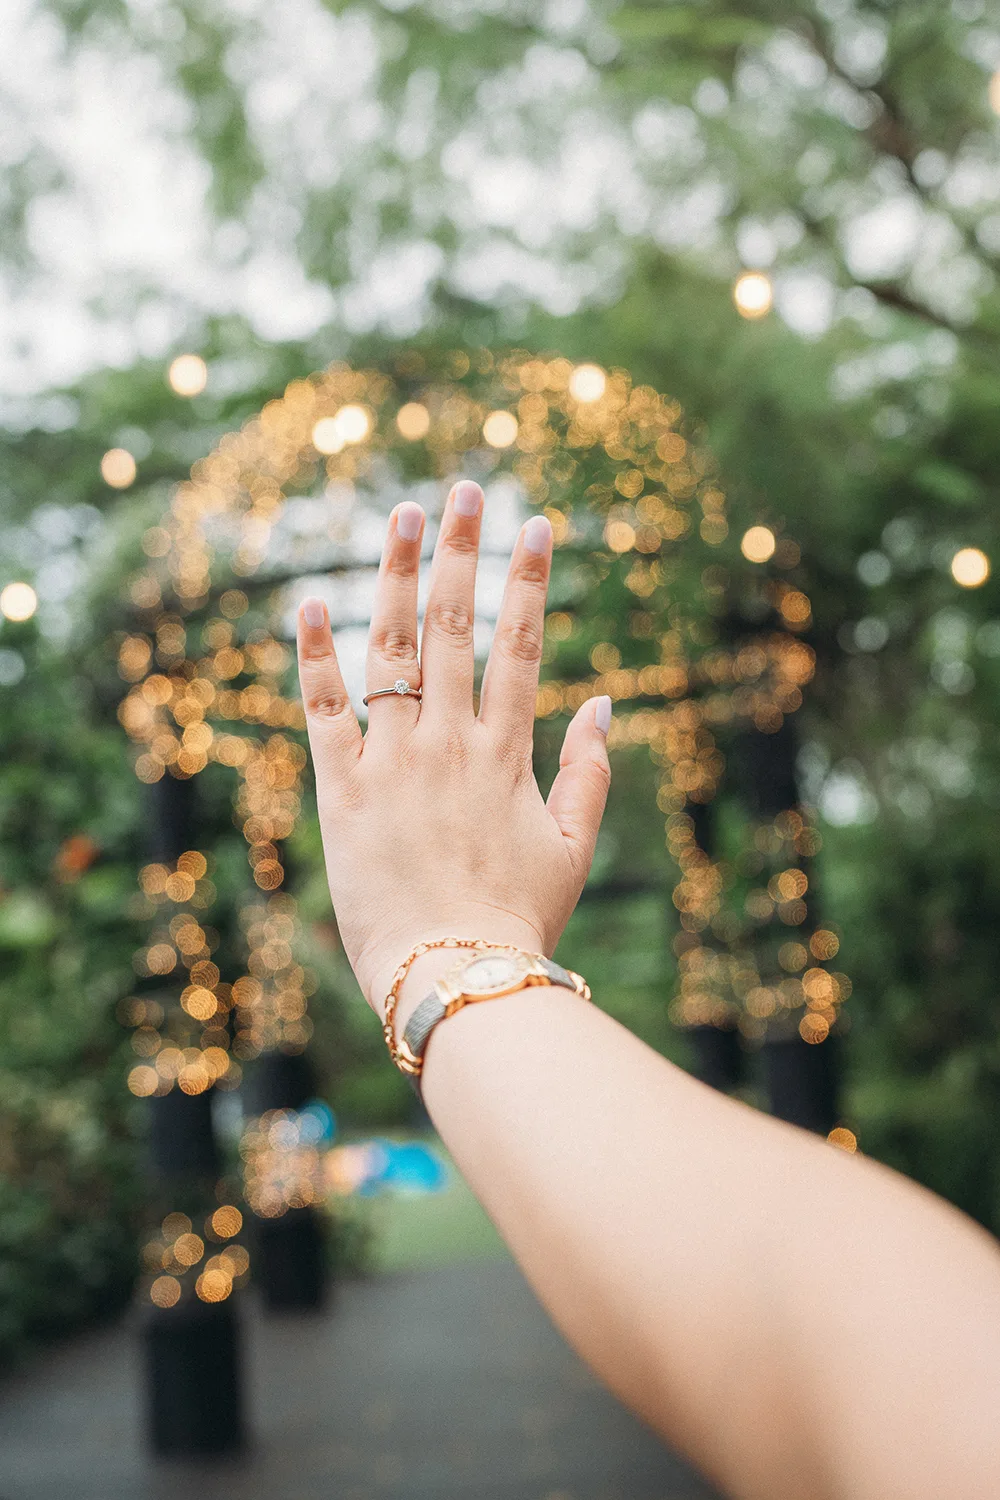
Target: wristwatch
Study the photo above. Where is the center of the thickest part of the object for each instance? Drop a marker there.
(487, 976)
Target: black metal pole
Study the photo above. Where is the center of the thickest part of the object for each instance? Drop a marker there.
(719, 1057)
(802, 1078)
(194, 1385)
(290, 1263)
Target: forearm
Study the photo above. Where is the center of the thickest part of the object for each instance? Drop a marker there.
(801, 1323)
(804, 1325)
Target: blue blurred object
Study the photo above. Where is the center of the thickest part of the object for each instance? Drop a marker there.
(413, 1168)
(380, 1166)
(317, 1123)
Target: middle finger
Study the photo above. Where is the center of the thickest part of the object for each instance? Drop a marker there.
(447, 658)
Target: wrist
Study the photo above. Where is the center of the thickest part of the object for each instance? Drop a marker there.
(428, 967)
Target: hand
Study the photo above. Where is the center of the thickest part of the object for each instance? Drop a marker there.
(433, 824)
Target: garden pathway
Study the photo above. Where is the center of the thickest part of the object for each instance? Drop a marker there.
(425, 1384)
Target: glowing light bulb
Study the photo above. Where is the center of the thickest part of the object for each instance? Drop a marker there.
(500, 429)
(758, 544)
(188, 375)
(18, 601)
(413, 421)
(753, 295)
(118, 468)
(587, 383)
(970, 568)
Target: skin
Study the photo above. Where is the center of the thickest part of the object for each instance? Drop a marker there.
(801, 1323)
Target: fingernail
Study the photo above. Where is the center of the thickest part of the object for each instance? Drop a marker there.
(602, 715)
(314, 612)
(409, 519)
(537, 534)
(467, 499)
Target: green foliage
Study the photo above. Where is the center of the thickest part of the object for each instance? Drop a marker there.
(68, 1186)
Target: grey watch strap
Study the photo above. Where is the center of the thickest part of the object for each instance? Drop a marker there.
(431, 1010)
(428, 1013)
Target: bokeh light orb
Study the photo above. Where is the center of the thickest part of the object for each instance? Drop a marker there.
(118, 468)
(18, 601)
(165, 1291)
(413, 421)
(188, 375)
(326, 436)
(994, 93)
(587, 383)
(214, 1285)
(500, 429)
(970, 567)
(227, 1221)
(353, 423)
(753, 294)
(758, 544)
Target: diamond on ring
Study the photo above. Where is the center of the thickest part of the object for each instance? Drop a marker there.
(400, 688)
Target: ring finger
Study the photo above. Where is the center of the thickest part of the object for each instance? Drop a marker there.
(392, 640)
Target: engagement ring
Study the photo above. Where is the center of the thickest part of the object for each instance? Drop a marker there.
(400, 687)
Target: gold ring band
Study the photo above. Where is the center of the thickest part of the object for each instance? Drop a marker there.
(400, 689)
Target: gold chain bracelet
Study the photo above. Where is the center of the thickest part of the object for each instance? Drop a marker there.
(392, 998)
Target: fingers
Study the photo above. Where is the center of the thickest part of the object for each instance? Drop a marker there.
(447, 659)
(580, 790)
(511, 681)
(392, 642)
(334, 732)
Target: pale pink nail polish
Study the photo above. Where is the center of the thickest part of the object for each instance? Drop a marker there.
(467, 499)
(537, 534)
(602, 715)
(314, 613)
(409, 519)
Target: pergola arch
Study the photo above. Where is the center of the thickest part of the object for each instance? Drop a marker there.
(637, 507)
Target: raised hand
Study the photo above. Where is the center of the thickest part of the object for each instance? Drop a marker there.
(433, 824)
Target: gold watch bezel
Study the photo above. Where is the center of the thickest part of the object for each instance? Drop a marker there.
(454, 995)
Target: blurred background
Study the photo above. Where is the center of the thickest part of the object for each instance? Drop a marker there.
(713, 284)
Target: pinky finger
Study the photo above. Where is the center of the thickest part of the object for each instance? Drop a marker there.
(334, 731)
(580, 790)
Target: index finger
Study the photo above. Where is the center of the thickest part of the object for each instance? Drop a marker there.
(334, 732)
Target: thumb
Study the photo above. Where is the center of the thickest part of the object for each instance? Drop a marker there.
(580, 790)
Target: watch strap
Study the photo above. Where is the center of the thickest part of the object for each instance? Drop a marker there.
(432, 1010)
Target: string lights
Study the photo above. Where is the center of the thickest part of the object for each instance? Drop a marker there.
(181, 1264)
(629, 494)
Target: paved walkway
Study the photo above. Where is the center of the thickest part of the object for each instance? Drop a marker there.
(443, 1384)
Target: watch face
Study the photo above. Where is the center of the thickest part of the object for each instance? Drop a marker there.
(494, 972)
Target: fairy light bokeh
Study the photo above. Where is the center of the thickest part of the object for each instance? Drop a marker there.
(118, 468)
(970, 567)
(188, 375)
(18, 601)
(615, 469)
(753, 295)
(185, 1261)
